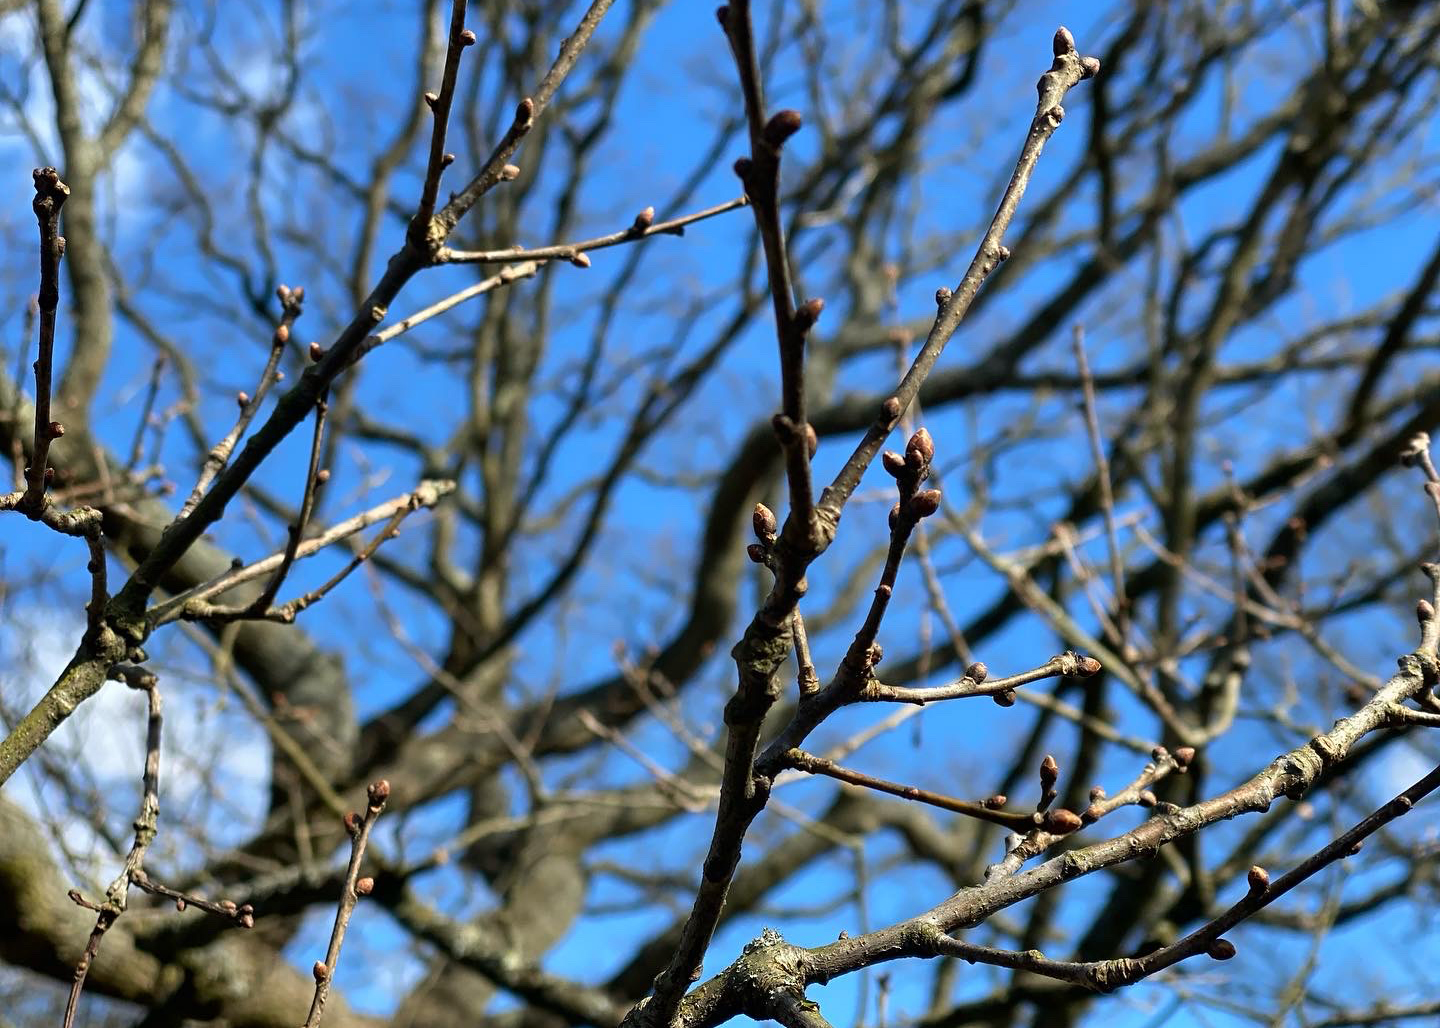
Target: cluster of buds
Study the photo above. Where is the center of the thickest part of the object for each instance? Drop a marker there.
(910, 470)
(765, 526)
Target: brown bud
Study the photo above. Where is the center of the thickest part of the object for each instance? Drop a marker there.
(1147, 798)
(1159, 753)
(1049, 771)
(379, 792)
(180, 903)
(722, 13)
(1424, 612)
(1061, 821)
(812, 441)
(466, 38)
(644, 219)
(447, 159)
(894, 517)
(994, 802)
(1258, 879)
(525, 111)
(228, 906)
(743, 166)
(1221, 949)
(782, 126)
(756, 553)
(808, 314)
(763, 521)
(317, 353)
(1097, 793)
(581, 260)
(893, 463)
(1090, 67)
(364, 886)
(1004, 698)
(942, 296)
(925, 503)
(920, 450)
(1091, 813)
(1184, 755)
(1063, 43)
(322, 476)
(431, 99)
(320, 971)
(241, 399)
(1088, 666)
(891, 408)
(246, 917)
(56, 430)
(977, 672)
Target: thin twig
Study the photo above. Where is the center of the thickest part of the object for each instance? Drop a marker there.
(50, 194)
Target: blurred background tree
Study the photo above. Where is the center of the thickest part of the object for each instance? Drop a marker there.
(1168, 435)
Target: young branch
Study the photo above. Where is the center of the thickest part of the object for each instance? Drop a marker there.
(50, 194)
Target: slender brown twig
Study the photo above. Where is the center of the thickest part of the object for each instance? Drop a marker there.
(50, 194)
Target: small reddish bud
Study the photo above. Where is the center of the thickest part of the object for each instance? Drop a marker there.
(644, 219)
(1147, 798)
(1049, 771)
(1258, 879)
(322, 476)
(241, 399)
(228, 906)
(809, 313)
(925, 503)
(317, 353)
(894, 517)
(977, 672)
(942, 296)
(364, 886)
(756, 553)
(1061, 821)
(1004, 698)
(282, 334)
(1159, 753)
(1088, 666)
(1183, 756)
(56, 430)
(180, 904)
(1063, 43)
(467, 37)
(320, 971)
(782, 126)
(581, 260)
(722, 13)
(245, 916)
(1090, 67)
(1097, 793)
(447, 159)
(743, 166)
(1221, 949)
(994, 802)
(1424, 612)
(920, 450)
(379, 792)
(812, 441)
(893, 462)
(763, 521)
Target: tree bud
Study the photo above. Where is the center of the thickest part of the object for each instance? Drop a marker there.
(782, 126)
(920, 450)
(1049, 771)
(1258, 879)
(1221, 949)
(893, 462)
(763, 521)
(925, 503)
(1061, 821)
(379, 792)
(994, 802)
(977, 672)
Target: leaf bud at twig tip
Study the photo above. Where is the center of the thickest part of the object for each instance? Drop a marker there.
(364, 886)
(431, 99)
(56, 430)
(1088, 666)
(447, 159)
(763, 521)
(781, 126)
(942, 296)
(1258, 879)
(756, 553)
(467, 37)
(977, 672)
(581, 260)
(1097, 793)
(1183, 756)
(925, 503)
(812, 440)
(1004, 698)
(742, 168)
(891, 408)
(1061, 821)
(893, 462)
(644, 219)
(1424, 611)
(379, 792)
(894, 516)
(509, 172)
(808, 314)
(994, 802)
(1159, 753)
(241, 399)
(1147, 798)
(246, 917)
(317, 352)
(1063, 43)
(1221, 949)
(320, 971)
(920, 450)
